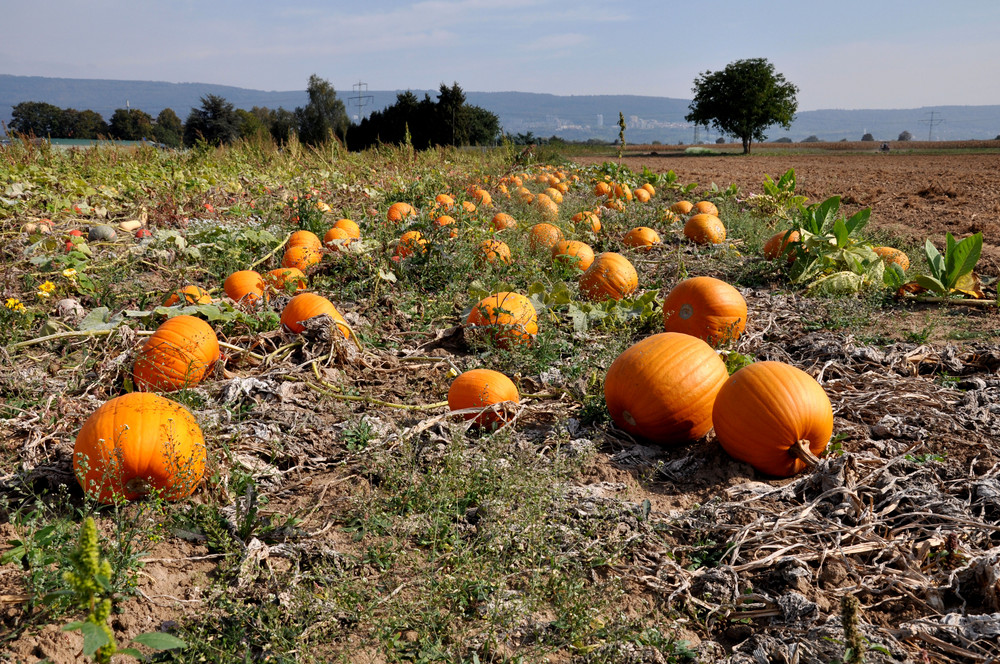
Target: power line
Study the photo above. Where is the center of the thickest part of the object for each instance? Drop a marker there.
(361, 97)
(931, 123)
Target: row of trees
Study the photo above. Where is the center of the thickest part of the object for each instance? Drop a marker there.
(448, 121)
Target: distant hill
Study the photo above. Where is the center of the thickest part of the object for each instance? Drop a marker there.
(573, 117)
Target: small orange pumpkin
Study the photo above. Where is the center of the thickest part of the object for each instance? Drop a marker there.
(705, 207)
(509, 318)
(400, 211)
(573, 252)
(245, 287)
(177, 355)
(641, 238)
(705, 229)
(482, 388)
(136, 444)
(286, 278)
(776, 245)
(682, 207)
(610, 276)
(304, 239)
(410, 243)
(301, 256)
(663, 388)
(337, 238)
(502, 221)
(191, 295)
(542, 237)
(893, 255)
(352, 229)
(495, 251)
(304, 306)
(707, 308)
(773, 416)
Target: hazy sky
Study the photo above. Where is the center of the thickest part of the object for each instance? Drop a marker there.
(840, 53)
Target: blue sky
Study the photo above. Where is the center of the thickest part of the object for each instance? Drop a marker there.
(840, 53)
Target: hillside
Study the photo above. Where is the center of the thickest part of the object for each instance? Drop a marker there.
(574, 117)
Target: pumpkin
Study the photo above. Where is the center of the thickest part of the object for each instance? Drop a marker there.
(682, 207)
(663, 387)
(304, 239)
(137, 444)
(554, 194)
(547, 207)
(508, 318)
(587, 221)
(304, 306)
(707, 308)
(191, 295)
(245, 287)
(776, 245)
(705, 229)
(444, 200)
(177, 355)
(301, 257)
(542, 237)
(482, 197)
(501, 221)
(482, 388)
(649, 188)
(410, 243)
(352, 229)
(573, 252)
(602, 189)
(641, 195)
(468, 206)
(101, 233)
(610, 276)
(400, 211)
(286, 278)
(773, 416)
(705, 207)
(495, 251)
(641, 238)
(893, 255)
(336, 238)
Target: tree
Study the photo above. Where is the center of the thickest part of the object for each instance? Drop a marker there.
(215, 122)
(743, 100)
(811, 139)
(168, 129)
(130, 125)
(37, 118)
(867, 137)
(905, 136)
(323, 116)
(89, 124)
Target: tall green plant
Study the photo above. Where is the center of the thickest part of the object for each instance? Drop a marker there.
(948, 270)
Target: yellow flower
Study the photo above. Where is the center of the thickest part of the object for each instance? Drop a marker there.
(14, 304)
(69, 273)
(47, 288)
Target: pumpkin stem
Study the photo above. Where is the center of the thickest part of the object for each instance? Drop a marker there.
(800, 450)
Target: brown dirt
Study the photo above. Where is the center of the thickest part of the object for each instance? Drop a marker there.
(912, 195)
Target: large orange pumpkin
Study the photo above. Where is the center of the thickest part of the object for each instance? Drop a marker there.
(502, 221)
(190, 294)
(352, 229)
(663, 387)
(573, 252)
(137, 444)
(400, 211)
(705, 229)
(482, 388)
(304, 239)
(177, 355)
(773, 416)
(641, 238)
(707, 308)
(245, 287)
(304, 306)
(610, 276)
(509, 318)
(705, 207)
(682, 207)
(542, 237)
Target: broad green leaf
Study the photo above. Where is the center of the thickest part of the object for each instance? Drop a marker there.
(841, 233)
(858, 220)
(838, 283)
(934, 259)
(893, 276)
(159, 640)
(963, 258)
(99, 319)
(931, 284)
(93, 638)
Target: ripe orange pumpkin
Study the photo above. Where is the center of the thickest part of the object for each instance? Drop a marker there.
(542, 237)
(893, 255)
(705, 207)
(707, 308)
(769, 414)
(301, 256)
(641, 238)
(136, 444)
(663, 387)
(245, 287)
(610, 276)
(495, 251)
(649, 189)
(304, 239)
(410, 243)
(400, 211)
(177, 355)
(286, 278)
(602, 189)
(352, 229)
(482, 197)
(573, 252)
(482, 388)
(337, 238)
(444, 200)
(587, 221)
(501, 221)
(509, 318)
(705, 229)
(304, 306)
(682, 207)
(190, 294)
(775, 246)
